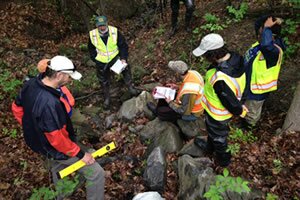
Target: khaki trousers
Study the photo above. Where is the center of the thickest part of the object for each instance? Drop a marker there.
(94, 175)
(255, 108)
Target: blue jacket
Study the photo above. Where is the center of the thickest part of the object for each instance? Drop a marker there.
(47, 127)
(271, 54)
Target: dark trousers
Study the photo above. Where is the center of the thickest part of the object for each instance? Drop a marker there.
(104, 73)
(165, 113)
(217, 139)
(190, 7)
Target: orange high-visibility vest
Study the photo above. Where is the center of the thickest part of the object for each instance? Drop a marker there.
(192, 84)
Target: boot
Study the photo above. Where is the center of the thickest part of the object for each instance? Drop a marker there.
(133, 91)
(106, 102)
(173, 31)
(152, 107)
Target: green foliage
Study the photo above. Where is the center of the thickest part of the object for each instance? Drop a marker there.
(234, 148)
(44, 193)
(290, 27)
(295, 3)
(271, 196)
(160, 31)
(226, 183)
(63, 187)
(238, 14)
(9, 83)
(88, 81)
(277, 166)
(83, 47)
(67, 51)
(212, 23)
(11, 133)
(238, 135)
(291, 48)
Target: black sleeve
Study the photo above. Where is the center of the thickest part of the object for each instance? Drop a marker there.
(123, 47)
(228, 98)
(92, 50)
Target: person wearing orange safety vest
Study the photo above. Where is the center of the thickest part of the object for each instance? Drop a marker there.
(66, 96)
(223, 91)
(263, 62)
(106, 45)
(187, 104)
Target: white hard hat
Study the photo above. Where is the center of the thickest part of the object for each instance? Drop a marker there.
(64, 64)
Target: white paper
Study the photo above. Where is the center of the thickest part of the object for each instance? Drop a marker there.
(163, 92)
(118, 67)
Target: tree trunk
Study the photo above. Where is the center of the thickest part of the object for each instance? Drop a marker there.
(292, 120)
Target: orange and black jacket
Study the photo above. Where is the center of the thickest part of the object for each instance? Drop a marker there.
(46, 124)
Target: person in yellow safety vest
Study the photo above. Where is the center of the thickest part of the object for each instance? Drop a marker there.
(187, 104)
(224, 86)
(262, 62)
(106, 45)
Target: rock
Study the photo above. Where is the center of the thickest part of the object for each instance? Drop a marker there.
(135, 106)
(192, 128)
(191, 149)
(195, 176)
(155, 172)
(109, 120)
(162, 133)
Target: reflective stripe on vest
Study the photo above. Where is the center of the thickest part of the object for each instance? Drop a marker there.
(265, 79)
(211, 102)
(192, 84)
(105, 53)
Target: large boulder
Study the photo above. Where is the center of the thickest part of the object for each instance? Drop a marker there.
(195, 177)
(153, 129)
(191, 149)
(155, 172)
(136, 106)
(192, 128)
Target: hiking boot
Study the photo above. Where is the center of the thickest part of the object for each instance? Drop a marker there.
(188, 29)
(201, 143)
(133, 91)
(152, 107)
(173, 31)
(106, 103)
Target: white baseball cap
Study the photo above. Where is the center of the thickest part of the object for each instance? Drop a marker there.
(65, 65)
(211, 41)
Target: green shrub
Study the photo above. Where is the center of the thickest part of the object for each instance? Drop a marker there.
(9, 84)
(271, 196)
(226, 183)
(63, 187)
(212, 23)
(237, 135)
(234, 148)
(238, 14)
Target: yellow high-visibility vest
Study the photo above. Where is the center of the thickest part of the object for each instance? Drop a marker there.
(192, 84)
(211, 102)
(264, 79)
(105, 53)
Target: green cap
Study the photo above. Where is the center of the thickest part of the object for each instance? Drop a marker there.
(101, 21)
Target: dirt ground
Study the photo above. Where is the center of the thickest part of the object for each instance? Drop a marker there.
(21, 170)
